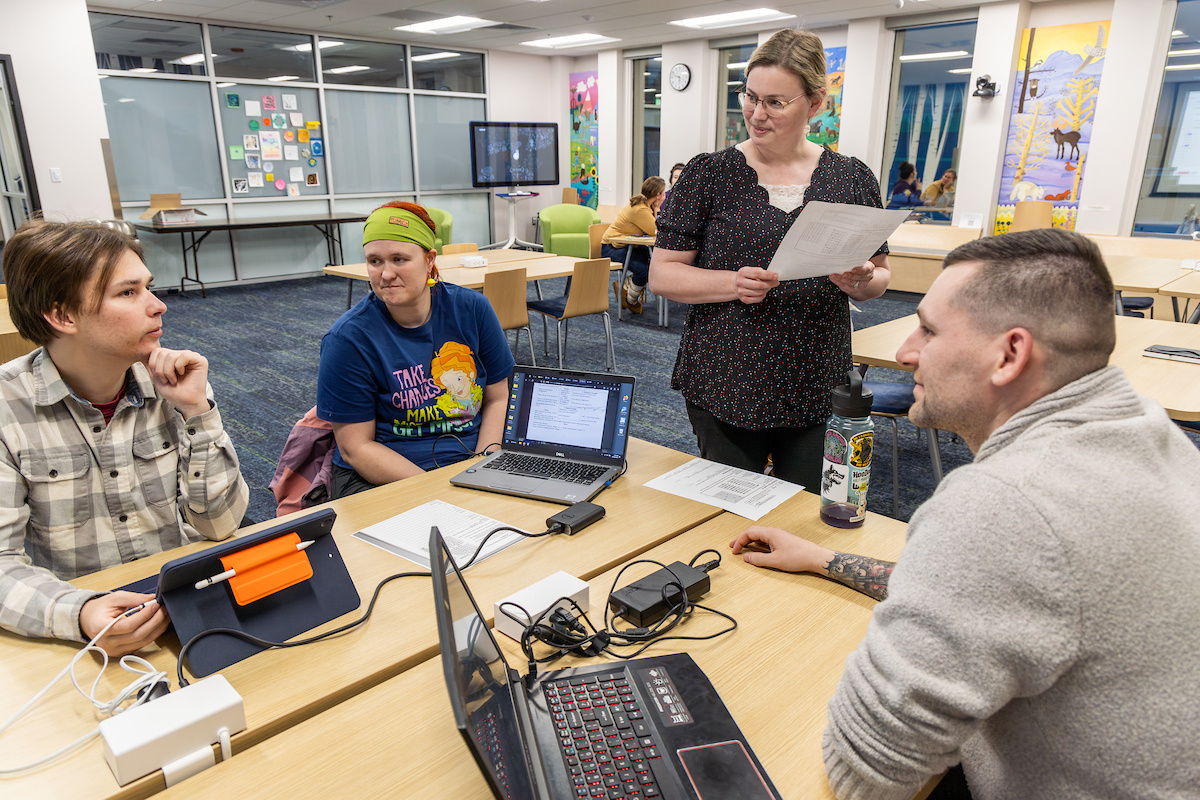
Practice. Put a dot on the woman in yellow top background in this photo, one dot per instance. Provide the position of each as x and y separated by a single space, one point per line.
635 219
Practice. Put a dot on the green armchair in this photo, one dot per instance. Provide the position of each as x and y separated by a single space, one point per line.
445 226
565 230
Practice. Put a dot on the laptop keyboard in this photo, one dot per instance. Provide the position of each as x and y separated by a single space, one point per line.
571 471
604 738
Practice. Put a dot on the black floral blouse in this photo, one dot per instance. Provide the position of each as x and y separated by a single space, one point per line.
770 364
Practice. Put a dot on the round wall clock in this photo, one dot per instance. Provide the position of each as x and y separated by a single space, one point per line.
680 77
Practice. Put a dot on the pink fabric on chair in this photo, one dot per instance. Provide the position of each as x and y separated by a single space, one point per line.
303 476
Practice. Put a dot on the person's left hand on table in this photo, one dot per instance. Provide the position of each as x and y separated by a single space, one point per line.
854 280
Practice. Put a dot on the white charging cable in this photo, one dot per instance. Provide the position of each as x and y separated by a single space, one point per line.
147 676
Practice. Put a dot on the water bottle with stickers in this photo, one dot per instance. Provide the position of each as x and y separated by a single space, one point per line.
846 468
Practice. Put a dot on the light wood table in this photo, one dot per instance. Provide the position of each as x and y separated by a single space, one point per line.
12 344
1147 274
541 268
1188 286
282 688
917 250
1174 385
776 673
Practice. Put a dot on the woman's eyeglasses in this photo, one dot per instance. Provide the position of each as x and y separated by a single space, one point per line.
772 105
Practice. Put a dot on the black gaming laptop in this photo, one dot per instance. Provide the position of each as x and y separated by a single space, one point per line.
639 729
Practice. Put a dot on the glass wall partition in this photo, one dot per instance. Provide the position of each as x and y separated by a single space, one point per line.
270 124
731 75
647 108
1170 190
930 73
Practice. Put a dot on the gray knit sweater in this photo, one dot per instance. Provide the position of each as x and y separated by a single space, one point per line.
1043 622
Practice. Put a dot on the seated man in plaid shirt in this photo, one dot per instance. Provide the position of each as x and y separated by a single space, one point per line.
111 448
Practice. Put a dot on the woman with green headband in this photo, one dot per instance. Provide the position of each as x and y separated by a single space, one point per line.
415 375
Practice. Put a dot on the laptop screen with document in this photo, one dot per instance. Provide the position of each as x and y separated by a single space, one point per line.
572 415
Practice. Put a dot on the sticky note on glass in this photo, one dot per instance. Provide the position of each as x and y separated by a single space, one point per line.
291 152
302 136
296 174
236 152
253 108
297 119
312 125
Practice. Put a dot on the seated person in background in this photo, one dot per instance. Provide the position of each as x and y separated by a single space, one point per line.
111 448
940 193
637 218
415 376
676 171
1039 626
906 191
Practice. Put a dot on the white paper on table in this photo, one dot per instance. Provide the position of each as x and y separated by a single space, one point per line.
833 237
739 491
407 534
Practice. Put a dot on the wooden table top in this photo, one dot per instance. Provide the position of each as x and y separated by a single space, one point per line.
923 239
1175 385
794 631
12 343
541 268
401 634
646 240
1143 273
1187 286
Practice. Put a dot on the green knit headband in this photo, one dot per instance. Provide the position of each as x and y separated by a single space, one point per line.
398 225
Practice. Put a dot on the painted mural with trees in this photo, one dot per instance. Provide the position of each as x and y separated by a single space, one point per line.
1055 91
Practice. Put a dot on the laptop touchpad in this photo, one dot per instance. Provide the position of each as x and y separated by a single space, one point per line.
724 771
517 483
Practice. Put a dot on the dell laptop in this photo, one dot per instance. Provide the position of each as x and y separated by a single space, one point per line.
565 436
640 729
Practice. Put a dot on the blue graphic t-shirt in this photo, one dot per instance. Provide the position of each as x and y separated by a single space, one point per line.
415 383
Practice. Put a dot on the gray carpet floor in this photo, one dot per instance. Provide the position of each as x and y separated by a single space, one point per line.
263 345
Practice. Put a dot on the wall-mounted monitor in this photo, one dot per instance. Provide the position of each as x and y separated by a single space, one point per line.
514 154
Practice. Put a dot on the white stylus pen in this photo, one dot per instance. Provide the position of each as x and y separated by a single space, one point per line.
229 573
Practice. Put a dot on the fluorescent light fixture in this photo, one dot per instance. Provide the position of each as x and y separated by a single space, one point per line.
344 70
125 100
738 64
936 56
307 46
279 78
649 90
736 18
447 25
101 77
194 58
647 74
435 56
143 69
1189 52
575 40
963 71
657 58
225 85
1178 33
1183 66
733 83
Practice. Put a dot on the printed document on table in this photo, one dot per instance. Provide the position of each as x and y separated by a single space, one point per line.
833 237
738 491
407 534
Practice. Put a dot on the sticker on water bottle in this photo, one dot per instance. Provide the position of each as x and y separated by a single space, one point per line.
834 470
861 445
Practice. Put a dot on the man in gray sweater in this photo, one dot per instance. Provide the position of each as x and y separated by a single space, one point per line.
1040 626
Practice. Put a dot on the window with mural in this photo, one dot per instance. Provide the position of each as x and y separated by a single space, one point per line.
1170 191
930 76
647 106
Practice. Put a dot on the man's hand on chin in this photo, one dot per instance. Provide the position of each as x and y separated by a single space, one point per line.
181 378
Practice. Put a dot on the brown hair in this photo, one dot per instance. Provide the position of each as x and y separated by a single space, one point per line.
652 187
799 52
50 265
422 215
1052 283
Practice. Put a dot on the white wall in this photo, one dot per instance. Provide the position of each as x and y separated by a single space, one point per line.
689 118
864 93
50 42
616 153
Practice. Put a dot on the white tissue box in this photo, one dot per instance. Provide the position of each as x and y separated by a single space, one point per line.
472 261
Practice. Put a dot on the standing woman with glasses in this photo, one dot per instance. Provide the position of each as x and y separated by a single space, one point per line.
758 357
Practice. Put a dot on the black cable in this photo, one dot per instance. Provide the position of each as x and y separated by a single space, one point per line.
467 450
296 643
555 529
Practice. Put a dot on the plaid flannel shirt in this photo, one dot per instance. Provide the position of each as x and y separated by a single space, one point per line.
77 496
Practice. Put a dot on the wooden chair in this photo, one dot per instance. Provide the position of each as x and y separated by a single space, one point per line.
608 213
570 196
1029 215
595 233
588 295
466 247
3 291
505 290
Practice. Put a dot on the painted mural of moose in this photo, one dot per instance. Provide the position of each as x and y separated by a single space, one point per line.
1064 138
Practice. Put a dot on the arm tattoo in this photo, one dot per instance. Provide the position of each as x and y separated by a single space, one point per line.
867 575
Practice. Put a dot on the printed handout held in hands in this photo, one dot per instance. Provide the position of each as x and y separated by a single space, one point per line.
833 237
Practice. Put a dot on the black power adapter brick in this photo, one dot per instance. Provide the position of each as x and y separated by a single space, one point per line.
644 602
574 519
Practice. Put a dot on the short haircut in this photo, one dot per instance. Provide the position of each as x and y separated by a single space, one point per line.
799 52
1049 281
49 265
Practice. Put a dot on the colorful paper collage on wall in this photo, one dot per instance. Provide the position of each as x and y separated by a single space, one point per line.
584 102
826 125
1050 123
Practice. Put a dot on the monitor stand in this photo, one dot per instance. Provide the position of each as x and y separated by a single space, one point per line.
512 198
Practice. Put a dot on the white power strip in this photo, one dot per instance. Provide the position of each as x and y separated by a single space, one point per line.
537 598
174 733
